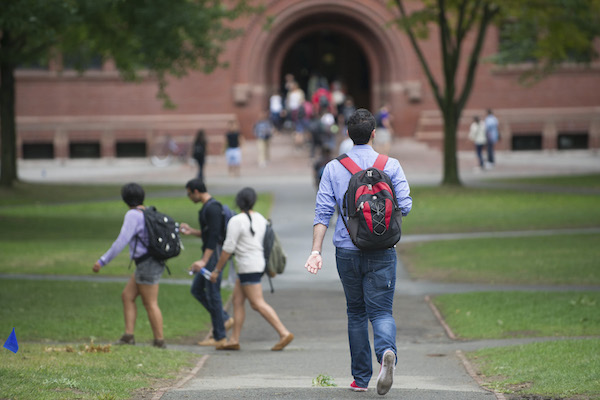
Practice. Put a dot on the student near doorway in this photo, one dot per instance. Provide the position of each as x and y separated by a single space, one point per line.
362 272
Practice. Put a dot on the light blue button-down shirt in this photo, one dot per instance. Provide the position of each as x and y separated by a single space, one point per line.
334 184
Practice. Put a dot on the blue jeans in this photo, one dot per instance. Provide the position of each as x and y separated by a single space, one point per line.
479 151
490 151
209 295
369 281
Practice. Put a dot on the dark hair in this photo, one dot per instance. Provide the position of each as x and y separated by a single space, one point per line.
201 137
196 184
245 200
133 194
360 126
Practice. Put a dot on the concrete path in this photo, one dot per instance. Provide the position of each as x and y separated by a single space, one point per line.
313 307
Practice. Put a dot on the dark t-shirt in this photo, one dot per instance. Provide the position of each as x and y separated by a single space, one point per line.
211 224
233 139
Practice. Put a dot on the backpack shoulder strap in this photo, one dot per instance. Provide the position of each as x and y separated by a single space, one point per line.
380 162
349 164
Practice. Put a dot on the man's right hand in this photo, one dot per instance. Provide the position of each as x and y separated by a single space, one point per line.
314 263
96 267
185 229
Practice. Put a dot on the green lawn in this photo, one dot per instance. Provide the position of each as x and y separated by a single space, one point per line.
497 315
57 372
550 260
591 181
40 193
76 311
565 369
444 209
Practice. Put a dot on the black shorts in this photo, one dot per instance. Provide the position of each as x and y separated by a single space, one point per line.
250 279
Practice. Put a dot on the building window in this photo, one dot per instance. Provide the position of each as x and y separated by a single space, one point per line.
82 62
84 150
573 141
38 151
131 149
40 65
527 141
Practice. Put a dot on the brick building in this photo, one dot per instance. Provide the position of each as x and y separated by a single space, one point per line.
98 115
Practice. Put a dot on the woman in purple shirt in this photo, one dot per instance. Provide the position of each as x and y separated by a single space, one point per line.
144 282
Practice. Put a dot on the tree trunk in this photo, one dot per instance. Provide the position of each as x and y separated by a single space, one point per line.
451 116
8 155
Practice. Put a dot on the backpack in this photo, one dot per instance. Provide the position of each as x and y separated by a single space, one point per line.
163 234
370 209
227 214
275 257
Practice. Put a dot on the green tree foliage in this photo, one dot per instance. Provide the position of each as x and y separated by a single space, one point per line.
544 32
164 37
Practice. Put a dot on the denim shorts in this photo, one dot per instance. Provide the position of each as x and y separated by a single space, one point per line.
233 156
251 278
148 271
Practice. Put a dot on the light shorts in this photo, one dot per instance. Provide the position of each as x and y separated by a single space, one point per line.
148 271
233 155
382 136
250 279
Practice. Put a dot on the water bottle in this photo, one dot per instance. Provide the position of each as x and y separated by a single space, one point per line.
206 273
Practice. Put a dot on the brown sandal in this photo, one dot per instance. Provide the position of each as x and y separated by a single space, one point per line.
287 339
229 346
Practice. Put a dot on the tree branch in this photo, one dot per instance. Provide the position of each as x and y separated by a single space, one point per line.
417 48
449 53
488 14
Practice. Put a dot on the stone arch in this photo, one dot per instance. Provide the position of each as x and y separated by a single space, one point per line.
261 52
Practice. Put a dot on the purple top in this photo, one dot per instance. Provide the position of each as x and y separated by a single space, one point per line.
133 224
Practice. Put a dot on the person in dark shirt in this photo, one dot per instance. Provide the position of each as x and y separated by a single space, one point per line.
211 231
200 152
233 149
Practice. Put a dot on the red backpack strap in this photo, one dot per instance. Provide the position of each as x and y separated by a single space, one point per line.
349 164
380 162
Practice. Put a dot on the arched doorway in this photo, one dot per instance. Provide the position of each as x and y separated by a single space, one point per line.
328 56
371 60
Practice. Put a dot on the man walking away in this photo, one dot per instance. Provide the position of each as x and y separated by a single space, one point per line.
491 131
368 277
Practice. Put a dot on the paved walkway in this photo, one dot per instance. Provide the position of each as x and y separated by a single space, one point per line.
430 364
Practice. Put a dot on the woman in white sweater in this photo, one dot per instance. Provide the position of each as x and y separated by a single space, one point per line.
245 234
477 136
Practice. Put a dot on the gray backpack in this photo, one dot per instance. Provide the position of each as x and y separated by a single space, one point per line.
275 257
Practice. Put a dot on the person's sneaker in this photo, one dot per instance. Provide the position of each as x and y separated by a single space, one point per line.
354 387
386 373
160 343
126 339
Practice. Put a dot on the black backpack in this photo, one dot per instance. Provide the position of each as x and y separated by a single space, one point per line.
163 234
227 214
370 209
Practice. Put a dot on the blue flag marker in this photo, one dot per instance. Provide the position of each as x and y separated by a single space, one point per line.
11 343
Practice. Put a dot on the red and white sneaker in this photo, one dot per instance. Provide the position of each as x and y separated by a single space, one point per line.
356 388
386 373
